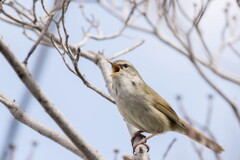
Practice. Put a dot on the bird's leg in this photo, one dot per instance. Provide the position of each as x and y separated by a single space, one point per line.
144 140
137 134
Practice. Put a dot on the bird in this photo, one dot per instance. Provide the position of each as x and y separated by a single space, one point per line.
146 110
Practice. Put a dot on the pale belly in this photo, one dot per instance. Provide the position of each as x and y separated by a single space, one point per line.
147 119
133 105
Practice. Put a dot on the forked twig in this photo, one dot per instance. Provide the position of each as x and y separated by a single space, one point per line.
75 63
44 30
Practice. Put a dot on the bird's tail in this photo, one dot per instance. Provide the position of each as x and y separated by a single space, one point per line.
202 139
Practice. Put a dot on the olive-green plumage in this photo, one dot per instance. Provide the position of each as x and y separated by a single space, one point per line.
143 108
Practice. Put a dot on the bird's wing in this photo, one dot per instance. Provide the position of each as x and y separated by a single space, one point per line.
163 106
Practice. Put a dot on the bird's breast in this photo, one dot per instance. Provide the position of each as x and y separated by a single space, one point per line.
136 108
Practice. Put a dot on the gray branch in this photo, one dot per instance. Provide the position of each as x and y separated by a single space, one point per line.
23 117
26 77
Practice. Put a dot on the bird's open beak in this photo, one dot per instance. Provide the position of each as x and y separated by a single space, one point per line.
115 68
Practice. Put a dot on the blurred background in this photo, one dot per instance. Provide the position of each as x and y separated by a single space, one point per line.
166 70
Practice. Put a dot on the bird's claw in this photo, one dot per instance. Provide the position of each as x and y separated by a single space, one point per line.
142 141
137 134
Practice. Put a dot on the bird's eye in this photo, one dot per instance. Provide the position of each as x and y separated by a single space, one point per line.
125 65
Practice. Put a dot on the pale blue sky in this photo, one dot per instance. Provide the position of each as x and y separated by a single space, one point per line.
96 119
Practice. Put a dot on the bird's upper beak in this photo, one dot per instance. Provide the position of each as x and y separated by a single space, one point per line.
115 68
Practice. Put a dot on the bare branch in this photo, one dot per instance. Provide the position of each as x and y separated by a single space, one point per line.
44 30
163 39
29 121
21 23
20 12
213 85
88 84
63 57
51 109
44 8
34 11
126 50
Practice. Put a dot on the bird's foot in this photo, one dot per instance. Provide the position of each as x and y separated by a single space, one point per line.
137 134
143 142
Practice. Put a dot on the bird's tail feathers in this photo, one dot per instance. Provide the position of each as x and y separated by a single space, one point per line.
202 139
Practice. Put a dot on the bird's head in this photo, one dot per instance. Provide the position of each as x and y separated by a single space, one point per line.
123 68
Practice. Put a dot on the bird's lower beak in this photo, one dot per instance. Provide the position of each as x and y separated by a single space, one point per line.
115 68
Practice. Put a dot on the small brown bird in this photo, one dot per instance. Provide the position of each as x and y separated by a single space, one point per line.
143 108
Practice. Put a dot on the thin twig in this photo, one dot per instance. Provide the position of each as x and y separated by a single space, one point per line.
44 30
213 85
20 12
44 8
19 21
163 39
126 50
12 151
75 63
63 56
169 148
34 11
32 150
